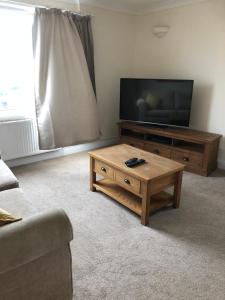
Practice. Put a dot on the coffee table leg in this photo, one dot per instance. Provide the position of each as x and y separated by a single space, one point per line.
145 205
92 175
177 190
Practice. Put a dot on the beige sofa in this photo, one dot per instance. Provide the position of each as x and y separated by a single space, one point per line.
35 257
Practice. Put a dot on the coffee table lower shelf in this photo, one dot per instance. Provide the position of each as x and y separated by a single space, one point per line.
130 200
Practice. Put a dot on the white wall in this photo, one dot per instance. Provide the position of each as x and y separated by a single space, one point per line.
194 48
113 39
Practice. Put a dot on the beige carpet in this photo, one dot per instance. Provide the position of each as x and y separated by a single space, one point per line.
180 256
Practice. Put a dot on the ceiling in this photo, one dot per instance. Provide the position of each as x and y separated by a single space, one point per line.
138 6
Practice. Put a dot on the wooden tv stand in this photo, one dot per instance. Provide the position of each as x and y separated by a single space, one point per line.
197 150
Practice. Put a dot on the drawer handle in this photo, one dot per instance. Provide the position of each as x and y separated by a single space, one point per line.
127 181
103 169
156 151
185 159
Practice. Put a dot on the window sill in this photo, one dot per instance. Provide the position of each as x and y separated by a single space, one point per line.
11 116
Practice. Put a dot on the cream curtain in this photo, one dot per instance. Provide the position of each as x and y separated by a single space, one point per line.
66 107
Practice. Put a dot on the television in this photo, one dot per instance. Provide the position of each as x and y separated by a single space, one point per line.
162 102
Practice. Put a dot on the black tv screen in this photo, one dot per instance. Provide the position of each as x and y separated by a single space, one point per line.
156 101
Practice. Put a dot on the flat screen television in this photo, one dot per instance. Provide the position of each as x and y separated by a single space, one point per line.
156 101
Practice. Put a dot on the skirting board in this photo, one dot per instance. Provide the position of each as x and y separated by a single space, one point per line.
61 152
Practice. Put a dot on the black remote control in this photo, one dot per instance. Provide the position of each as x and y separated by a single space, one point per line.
131 160
136 163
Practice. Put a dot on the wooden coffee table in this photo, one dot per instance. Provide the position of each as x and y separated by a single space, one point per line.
141 189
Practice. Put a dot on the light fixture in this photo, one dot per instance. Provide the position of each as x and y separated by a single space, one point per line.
160 31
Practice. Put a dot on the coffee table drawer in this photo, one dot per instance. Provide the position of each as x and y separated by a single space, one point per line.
103 169
128 182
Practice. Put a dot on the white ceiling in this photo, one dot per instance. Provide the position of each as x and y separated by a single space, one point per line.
138 6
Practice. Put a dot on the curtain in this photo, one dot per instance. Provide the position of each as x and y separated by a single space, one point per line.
66 106
84 28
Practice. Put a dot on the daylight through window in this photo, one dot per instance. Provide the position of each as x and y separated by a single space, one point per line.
16 65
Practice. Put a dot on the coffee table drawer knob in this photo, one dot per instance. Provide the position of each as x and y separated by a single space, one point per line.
103 169
127 181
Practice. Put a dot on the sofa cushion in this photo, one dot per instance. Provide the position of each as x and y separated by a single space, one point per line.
7 178
152 101
6 217
15 201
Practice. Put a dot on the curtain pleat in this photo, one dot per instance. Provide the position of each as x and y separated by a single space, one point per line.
84 28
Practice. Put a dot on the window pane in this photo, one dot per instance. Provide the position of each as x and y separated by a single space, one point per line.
16 63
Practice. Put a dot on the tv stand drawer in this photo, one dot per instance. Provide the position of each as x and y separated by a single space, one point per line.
158 150
132 142
188 158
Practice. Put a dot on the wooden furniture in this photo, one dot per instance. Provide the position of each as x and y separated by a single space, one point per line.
195 149
141 189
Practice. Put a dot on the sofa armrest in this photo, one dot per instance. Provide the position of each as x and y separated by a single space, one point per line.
33 237
7 179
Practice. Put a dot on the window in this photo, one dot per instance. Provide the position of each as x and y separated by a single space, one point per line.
16 64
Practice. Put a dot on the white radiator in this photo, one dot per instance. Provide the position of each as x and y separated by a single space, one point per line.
18 139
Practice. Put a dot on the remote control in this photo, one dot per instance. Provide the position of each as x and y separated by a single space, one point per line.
136 163
131 160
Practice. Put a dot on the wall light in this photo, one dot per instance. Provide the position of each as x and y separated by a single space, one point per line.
160 31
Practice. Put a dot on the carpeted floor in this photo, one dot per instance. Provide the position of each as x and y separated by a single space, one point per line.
180 256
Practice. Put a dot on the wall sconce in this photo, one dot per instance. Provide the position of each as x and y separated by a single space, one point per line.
160 31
